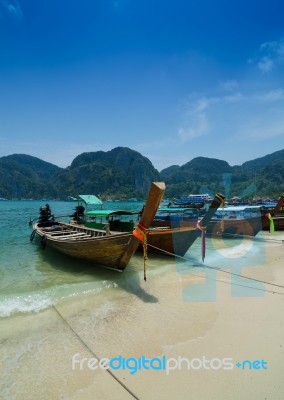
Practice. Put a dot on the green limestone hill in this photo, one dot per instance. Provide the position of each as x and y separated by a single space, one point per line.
197 173
263 176
199 165
23 176
277 156
118 173
123 173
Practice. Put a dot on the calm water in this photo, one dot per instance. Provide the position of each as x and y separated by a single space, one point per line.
32 279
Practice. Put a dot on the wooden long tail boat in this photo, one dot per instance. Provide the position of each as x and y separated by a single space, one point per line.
236 221
109 249
227 222
177 241
277 216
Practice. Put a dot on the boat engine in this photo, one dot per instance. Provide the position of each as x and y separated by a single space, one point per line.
45 214
78 215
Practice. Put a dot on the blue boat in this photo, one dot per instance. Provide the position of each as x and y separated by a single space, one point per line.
192 200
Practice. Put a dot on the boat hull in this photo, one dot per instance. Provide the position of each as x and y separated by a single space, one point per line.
109 249
102 250
178 238
278 223
169 241
237 227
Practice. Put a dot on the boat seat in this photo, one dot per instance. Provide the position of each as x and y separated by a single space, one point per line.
59 233
75 235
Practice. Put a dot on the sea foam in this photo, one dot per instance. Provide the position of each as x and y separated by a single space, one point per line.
41 300
24 304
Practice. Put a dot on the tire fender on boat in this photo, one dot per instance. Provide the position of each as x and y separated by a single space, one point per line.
32 235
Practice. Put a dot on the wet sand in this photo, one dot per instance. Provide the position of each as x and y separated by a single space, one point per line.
160 318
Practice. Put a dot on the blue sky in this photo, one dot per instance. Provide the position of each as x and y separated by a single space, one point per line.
171 79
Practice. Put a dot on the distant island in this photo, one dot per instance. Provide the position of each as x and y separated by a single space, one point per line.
123 173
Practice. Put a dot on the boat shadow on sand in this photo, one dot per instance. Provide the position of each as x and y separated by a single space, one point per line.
74 271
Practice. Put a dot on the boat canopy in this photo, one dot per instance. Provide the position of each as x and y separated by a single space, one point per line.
90 199
106 213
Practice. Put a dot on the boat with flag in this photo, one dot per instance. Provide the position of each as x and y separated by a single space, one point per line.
273 215
233 221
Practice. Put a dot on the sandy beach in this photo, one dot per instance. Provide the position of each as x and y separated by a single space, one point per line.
164 323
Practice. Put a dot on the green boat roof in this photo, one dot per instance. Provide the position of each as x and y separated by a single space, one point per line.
90 199
105 213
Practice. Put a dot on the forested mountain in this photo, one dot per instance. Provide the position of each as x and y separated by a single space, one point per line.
124 173
119 173
23 176
263 176
261 162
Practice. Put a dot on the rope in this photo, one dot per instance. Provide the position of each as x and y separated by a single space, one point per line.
227 272
94 354
203 238
87 347
141 232
258 239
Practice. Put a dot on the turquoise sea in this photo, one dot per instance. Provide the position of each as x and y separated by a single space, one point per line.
32 279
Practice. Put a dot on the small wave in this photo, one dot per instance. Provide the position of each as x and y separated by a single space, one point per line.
24 304
41 300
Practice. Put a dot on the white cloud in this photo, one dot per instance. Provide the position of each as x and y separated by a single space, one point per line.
249 115
229 86
261 117
196 127
273 47
280 50
13 8
195 121
265 64
271 96
262 127
203 103
270 55
233 98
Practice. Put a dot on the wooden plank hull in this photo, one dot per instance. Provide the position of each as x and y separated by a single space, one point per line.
105 250
234 227
178 240
169 241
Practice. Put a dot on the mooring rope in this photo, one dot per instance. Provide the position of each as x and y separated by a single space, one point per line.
201 265
76 334
141 232
254 238
94 354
